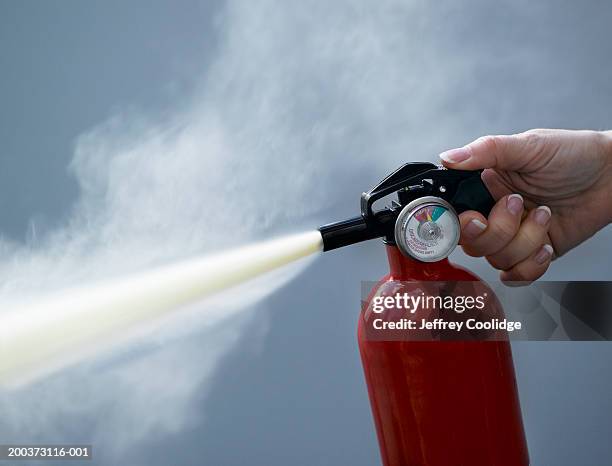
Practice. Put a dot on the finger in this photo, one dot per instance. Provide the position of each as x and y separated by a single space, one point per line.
503 224
530 269
472 225
504 152
530 237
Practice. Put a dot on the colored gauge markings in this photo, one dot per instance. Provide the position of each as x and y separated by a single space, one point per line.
424 214
437 213
429 214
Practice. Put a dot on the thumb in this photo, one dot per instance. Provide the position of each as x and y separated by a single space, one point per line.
504 152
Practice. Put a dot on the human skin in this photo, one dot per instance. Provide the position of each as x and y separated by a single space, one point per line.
553 190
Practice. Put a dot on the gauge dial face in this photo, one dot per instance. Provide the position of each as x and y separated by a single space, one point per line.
427 229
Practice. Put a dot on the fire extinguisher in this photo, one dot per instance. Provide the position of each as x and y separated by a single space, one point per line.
435 401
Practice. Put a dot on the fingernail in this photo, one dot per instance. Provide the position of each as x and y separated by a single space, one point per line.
474 228
542 215
544 254
455 155
514 203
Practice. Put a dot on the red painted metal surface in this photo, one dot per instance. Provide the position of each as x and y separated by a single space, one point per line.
442 403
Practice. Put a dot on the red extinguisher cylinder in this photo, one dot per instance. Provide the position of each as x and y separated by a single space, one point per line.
441 403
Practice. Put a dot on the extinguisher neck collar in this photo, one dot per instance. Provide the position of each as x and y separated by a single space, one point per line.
407 268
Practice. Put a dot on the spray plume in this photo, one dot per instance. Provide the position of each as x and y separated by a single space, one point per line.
52 332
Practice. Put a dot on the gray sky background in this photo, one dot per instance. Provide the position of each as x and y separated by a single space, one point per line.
315 101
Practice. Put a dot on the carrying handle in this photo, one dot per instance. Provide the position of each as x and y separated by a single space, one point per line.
397 180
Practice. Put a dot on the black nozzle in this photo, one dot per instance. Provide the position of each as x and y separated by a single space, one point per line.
356 230
351 231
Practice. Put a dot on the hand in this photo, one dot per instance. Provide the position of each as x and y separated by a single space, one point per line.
553 190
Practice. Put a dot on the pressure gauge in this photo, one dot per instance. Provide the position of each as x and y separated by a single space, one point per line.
427 229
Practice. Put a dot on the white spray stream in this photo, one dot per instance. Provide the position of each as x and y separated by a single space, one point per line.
55 331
